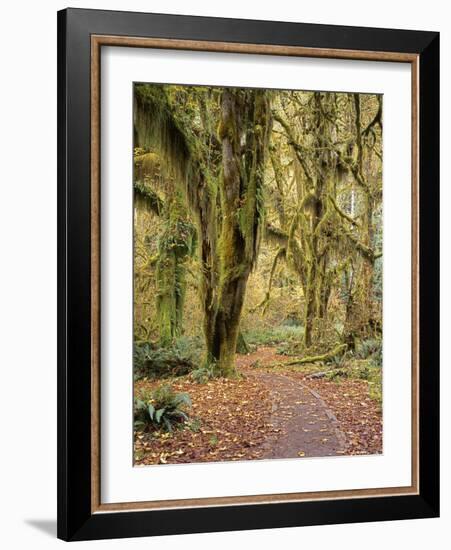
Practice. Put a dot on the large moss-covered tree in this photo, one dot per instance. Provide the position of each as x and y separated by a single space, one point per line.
243 132
328 165
176 242
214 143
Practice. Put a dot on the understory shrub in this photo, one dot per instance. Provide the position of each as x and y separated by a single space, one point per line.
206 372
291 320
153 361
369 348
362 369
282 334
162 409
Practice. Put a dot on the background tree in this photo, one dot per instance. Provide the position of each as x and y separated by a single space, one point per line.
329 156
176 242
301 169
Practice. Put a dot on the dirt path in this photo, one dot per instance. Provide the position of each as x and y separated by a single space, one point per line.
270 412
303 425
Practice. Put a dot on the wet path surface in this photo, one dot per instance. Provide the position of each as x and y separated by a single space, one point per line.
303 425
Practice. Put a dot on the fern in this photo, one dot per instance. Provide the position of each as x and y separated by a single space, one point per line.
179 359
164 409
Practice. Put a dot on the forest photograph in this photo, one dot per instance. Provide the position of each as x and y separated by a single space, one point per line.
258 236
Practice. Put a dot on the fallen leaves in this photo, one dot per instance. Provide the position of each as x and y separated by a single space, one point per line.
228 421
232 419
359 417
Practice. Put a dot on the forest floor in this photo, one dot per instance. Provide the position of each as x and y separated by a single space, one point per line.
273 410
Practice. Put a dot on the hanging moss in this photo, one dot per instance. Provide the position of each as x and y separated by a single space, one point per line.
175 246
146 198
146 165
243 134
156 126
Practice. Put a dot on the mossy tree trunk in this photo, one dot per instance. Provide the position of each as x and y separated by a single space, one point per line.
243 132
223 180
175 246
359 314
318 207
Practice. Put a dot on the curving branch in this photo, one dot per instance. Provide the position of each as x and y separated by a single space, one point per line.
299 151
147 198
276 235
365 251
280 254
377 119
345 216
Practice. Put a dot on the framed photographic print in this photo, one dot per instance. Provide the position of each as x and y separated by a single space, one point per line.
248 274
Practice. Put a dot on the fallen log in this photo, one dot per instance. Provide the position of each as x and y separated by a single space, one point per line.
330 372
317 375
338 350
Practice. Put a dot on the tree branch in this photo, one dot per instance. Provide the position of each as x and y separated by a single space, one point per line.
148 198
343 214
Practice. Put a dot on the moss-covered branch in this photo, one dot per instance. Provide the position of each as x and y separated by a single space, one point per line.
376 120
276 235
156 126
365 251
345 216
280 254
298 149
148 198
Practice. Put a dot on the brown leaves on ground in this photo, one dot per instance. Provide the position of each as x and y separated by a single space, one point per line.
359 416
228 421
231 419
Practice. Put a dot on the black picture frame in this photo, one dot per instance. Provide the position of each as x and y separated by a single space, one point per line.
75 518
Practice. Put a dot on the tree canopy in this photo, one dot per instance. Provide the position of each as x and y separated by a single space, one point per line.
254 207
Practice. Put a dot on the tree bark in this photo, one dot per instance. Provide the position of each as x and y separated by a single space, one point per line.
243 132
175 246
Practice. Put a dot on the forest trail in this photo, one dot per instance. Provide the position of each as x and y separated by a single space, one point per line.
272 411
207 271
302 424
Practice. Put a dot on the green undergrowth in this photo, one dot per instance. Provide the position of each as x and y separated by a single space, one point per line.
151 360
356 369
162 409
359 369
205 373
268 336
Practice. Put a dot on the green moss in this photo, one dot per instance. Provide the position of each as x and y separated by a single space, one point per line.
175 246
